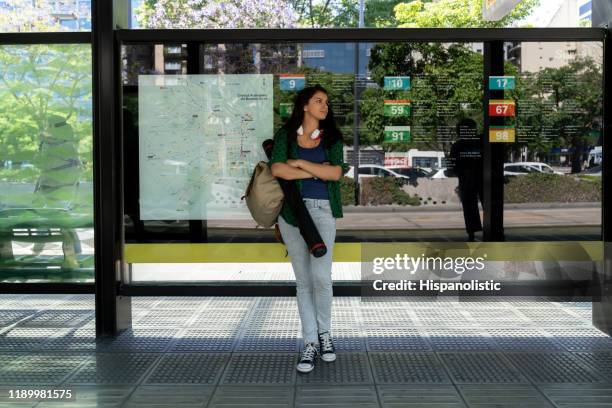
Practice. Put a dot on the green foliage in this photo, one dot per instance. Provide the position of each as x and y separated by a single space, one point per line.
347 190
385 190
432 67
45 98
546 188
455 13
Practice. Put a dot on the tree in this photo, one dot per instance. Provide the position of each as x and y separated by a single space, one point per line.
455 13
48 118
430 66
28 16
216 14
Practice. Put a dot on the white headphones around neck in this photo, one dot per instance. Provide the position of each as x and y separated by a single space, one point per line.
314 135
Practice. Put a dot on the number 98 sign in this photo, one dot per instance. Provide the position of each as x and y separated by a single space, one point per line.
501 135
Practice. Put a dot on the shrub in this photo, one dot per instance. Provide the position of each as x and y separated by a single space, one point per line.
385 190
545 188
347 190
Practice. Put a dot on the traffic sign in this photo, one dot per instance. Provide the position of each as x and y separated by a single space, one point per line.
397 83
501 134
291 82
500 83
397 108
285 109
397 134
501 107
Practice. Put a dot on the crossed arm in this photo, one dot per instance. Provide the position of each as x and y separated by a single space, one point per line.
302 169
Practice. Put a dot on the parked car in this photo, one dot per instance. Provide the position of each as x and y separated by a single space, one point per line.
522 168
439 173
593 171
412 173
374 170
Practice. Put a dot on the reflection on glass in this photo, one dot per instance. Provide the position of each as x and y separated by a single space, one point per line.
554 165
45 15
46 206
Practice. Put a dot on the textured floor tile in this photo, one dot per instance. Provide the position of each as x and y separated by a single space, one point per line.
179 396
252 397
523 339
480 368
348 339
114 368
349 368
418 396
40 368
28 338
503 396
552 368
76 339
395 339
444 317
206 340
59 318
106 396
274 340
600 362
583 339
188 368
139 340
8 317
458 339
336 396
165 318
261 369
407 368
579 395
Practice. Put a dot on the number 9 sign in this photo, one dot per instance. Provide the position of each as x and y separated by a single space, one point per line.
291 82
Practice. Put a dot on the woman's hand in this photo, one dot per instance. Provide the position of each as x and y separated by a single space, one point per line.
294 163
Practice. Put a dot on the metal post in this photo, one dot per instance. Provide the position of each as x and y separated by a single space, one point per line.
356 125
112 312
493 160
198 229
602 301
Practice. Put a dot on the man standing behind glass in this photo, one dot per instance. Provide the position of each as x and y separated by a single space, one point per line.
466 160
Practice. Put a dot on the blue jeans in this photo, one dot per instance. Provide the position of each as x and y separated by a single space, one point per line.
312 275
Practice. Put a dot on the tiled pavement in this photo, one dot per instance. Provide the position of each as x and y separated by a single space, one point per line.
241 352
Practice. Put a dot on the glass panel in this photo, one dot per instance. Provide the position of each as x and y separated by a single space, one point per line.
558 120
46 205
45 15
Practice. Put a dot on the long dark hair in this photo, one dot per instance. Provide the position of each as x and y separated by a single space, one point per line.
331 133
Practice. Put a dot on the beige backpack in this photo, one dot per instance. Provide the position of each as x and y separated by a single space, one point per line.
264 196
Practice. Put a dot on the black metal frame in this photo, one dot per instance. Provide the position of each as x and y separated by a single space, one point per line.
108 189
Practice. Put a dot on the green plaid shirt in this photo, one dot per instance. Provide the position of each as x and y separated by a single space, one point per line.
335 156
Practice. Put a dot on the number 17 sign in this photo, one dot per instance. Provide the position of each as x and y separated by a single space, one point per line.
500 83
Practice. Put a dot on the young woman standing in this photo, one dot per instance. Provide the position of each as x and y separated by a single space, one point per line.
308 149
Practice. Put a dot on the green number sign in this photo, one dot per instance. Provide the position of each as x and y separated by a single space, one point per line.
397 108
397 134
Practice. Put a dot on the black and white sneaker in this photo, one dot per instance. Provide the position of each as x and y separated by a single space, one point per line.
326 345
308 358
